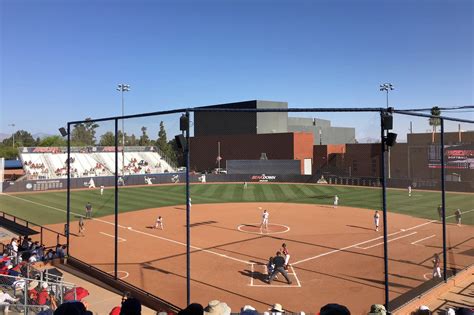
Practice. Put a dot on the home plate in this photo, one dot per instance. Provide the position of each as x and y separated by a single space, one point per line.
403 230
129 228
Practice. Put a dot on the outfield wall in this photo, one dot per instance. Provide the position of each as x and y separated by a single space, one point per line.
170 178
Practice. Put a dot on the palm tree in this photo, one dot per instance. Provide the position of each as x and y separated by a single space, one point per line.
435 121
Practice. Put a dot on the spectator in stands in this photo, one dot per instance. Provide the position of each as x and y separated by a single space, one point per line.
131 306
377 309
334 309
49 255
116 310
5 300
216 307
14 244
276 308
72 308
43 295
192 309
248 310
61 251
33 258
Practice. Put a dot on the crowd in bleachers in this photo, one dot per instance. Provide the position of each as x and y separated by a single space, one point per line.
22 284
137 167
47 165
36 170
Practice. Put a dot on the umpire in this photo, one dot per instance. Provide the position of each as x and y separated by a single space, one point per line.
279 263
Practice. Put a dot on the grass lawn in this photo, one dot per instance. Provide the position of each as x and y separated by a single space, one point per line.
49 207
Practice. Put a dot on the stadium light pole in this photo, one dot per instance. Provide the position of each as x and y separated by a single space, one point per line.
387 87
123 88
13 134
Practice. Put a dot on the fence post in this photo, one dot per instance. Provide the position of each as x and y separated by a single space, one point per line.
443 201
25 298
116 196
384 208
188 217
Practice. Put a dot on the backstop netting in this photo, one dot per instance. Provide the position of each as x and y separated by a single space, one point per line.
197 210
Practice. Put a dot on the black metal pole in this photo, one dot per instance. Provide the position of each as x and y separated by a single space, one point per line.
116 199
68 185
443 201
384 208
188 218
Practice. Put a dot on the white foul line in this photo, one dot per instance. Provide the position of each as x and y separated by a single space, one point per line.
388 241
296 277
251 275
120 239
423 239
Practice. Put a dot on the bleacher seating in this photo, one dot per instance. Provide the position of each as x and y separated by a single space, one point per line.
49 163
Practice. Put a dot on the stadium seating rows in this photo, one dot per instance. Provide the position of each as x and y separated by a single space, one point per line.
47 165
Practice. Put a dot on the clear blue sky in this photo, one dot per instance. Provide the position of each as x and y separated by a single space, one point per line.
61 60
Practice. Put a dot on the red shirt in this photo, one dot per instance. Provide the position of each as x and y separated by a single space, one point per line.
43 297
115 311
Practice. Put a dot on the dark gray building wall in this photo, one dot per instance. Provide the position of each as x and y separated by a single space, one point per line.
272 122
233 123
322 130
226 123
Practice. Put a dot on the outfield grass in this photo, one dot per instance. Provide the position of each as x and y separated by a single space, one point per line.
45 208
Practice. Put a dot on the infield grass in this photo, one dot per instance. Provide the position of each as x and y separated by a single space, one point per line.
49 207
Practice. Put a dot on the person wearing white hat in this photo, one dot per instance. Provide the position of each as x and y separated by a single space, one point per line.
277 308
216 307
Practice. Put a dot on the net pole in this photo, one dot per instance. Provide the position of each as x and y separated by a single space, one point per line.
384 207
443 199
116 202
68 184
188 217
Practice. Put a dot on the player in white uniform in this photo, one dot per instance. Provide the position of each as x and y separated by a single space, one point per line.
101 190
409 191
376 220
264 223
159 223
91 183
245 185
436 266
336 201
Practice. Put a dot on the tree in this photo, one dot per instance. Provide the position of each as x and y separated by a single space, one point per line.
131 140
22 139
107 139
435 121
52 141
7 152
163 145
83 134
144 139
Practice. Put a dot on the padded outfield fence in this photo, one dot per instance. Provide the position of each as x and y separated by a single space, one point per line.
211 246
